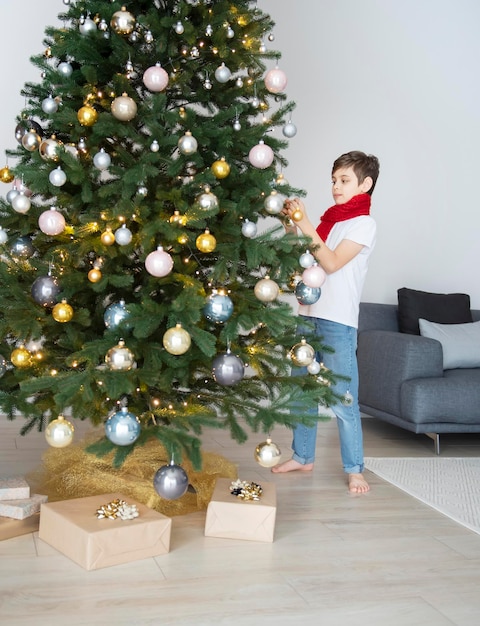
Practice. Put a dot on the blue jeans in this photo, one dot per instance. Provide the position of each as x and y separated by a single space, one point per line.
343 339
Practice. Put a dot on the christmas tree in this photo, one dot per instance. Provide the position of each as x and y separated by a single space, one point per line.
144 257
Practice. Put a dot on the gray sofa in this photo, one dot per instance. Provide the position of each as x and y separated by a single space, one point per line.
402 380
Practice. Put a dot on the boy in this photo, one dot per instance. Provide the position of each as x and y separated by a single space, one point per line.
344 240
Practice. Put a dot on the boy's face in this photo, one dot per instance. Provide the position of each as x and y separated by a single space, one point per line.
345 185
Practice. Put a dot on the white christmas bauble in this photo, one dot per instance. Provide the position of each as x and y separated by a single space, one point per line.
154 146
208 200
123 236
57 177
49 105
307 259
266 290
3 236
261 155
155 78
21 203
314 367
159 263
51 222
314 276
12 194
65 69
249 229
102 160
187 144
124 108
179 28
223 74
275 80
274 203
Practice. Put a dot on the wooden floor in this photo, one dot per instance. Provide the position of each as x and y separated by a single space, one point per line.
383 558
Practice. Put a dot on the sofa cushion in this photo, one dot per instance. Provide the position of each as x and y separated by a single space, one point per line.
451 308
460 342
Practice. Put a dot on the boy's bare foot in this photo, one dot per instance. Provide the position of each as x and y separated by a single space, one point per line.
292 466
357 484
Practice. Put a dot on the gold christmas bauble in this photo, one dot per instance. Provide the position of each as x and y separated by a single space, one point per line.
302 354
267 453
206 242
176 340
21 357
177 218
120 358
87 115
122 22
108 237
6 175
59 433
297 215
94 275
220 168
62 312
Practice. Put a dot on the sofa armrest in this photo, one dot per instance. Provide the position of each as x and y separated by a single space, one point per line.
386 359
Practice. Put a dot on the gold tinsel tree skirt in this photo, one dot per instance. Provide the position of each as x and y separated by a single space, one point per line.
72 472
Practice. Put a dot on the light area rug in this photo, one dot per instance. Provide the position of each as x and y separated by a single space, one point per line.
449 485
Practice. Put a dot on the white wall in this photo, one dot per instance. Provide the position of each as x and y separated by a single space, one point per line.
399 79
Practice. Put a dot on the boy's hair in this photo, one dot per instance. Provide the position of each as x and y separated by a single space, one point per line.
363 165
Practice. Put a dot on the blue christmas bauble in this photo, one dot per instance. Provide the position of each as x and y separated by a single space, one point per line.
307 295
218 308
123 427
227 369
170 481
116 314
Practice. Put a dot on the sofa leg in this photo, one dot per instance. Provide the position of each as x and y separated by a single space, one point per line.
436 441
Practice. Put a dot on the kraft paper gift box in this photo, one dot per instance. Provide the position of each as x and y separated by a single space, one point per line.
72 527
230 517
21 509
10 528
14 488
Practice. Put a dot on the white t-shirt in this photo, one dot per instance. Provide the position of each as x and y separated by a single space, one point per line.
341 291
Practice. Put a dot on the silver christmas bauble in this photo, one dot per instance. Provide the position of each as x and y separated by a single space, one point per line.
187 144
223 74
116 314
314 368
307 259
302 354
45 290
11 194
3 365
31 140
22 248
208 200
274 203
48 149
228 369
122 22
120 358
267 453
3 236
170 481
87 26
49 105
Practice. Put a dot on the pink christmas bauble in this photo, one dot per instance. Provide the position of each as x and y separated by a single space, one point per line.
275 80
155 78
159 263
20 186
261 156
51 222
314 276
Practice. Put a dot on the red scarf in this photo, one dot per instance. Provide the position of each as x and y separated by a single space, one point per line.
358 205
